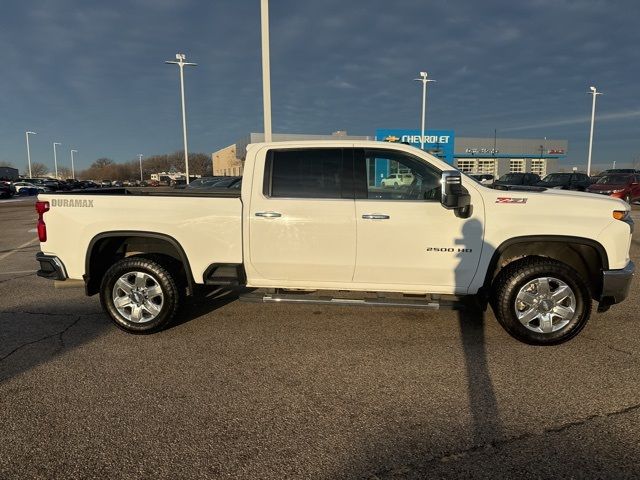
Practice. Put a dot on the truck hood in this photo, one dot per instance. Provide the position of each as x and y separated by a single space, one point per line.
554 197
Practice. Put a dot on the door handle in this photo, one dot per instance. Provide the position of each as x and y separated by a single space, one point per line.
268 214
375 216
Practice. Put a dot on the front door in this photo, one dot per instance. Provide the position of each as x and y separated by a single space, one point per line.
302 225
405 236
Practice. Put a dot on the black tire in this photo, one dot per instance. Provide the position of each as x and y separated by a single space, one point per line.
516 275
160 275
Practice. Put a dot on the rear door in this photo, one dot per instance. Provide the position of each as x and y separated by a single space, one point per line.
406 238
302 217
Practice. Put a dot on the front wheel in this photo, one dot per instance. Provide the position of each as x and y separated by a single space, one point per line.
140 295
541 301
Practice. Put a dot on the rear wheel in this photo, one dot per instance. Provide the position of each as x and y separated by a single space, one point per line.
140 295
541 301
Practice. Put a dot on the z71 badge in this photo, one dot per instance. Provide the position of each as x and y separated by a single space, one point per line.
511 200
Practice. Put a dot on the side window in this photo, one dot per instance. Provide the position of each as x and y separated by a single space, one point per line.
392 175
306 173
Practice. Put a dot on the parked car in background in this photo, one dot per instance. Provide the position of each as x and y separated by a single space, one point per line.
214 182
26 188
566 181
5 190
610 171
483 178
625 186
105 183
515 179
397 179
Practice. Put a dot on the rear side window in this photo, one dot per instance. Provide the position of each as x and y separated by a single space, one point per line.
306 173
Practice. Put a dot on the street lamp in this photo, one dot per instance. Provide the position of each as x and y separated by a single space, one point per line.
55 158
140 159
593 91
423 78
28 151
180 57
266 69
73 170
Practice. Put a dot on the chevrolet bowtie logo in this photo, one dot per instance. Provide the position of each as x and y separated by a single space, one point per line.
391 138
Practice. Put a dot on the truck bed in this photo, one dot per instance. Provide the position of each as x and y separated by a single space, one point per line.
156 192
207 225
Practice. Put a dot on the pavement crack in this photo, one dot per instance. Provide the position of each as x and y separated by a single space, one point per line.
26 312
499 443
610 347
59 334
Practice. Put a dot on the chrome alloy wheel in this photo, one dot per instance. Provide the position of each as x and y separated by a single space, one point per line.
138 297
545 305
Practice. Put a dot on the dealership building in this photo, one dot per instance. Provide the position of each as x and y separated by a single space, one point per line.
489 155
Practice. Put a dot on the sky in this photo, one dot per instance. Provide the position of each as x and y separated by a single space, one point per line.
91 74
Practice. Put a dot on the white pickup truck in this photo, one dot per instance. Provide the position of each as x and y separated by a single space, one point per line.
311 223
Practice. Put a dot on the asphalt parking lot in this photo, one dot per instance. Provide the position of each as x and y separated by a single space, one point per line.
241 390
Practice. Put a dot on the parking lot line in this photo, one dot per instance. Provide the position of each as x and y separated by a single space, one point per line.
2 257
15 272
13 200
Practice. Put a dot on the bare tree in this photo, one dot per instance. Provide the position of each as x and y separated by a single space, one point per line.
4 163
102 162
64 172
39 169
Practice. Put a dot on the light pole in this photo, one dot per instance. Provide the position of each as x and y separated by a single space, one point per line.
423 78
140 159
73 170
55 158
180 57
593 91
266 69
28 150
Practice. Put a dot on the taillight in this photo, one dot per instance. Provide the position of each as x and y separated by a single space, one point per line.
42 208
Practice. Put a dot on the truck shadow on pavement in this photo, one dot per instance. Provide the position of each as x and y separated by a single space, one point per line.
203 304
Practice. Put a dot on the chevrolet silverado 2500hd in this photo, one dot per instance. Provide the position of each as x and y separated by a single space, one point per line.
314 222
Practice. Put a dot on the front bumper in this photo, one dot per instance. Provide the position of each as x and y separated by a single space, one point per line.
51 267
616 284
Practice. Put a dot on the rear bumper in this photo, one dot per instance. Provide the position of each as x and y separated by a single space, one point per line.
616 284
51 267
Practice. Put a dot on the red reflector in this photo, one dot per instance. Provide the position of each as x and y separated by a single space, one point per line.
42 207
42 230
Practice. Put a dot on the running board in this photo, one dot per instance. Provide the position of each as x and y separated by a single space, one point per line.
368 302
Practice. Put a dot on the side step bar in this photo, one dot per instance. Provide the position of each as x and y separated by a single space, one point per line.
368 302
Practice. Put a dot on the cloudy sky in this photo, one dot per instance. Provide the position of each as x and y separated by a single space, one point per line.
91 74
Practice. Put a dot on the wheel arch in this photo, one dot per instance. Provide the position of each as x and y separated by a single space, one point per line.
585 255
107 246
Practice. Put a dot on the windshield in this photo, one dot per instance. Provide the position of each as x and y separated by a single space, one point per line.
614 180
556 177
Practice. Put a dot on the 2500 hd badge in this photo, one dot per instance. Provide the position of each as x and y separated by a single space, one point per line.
449 249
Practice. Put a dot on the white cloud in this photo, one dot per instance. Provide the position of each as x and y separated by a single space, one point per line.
577 120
